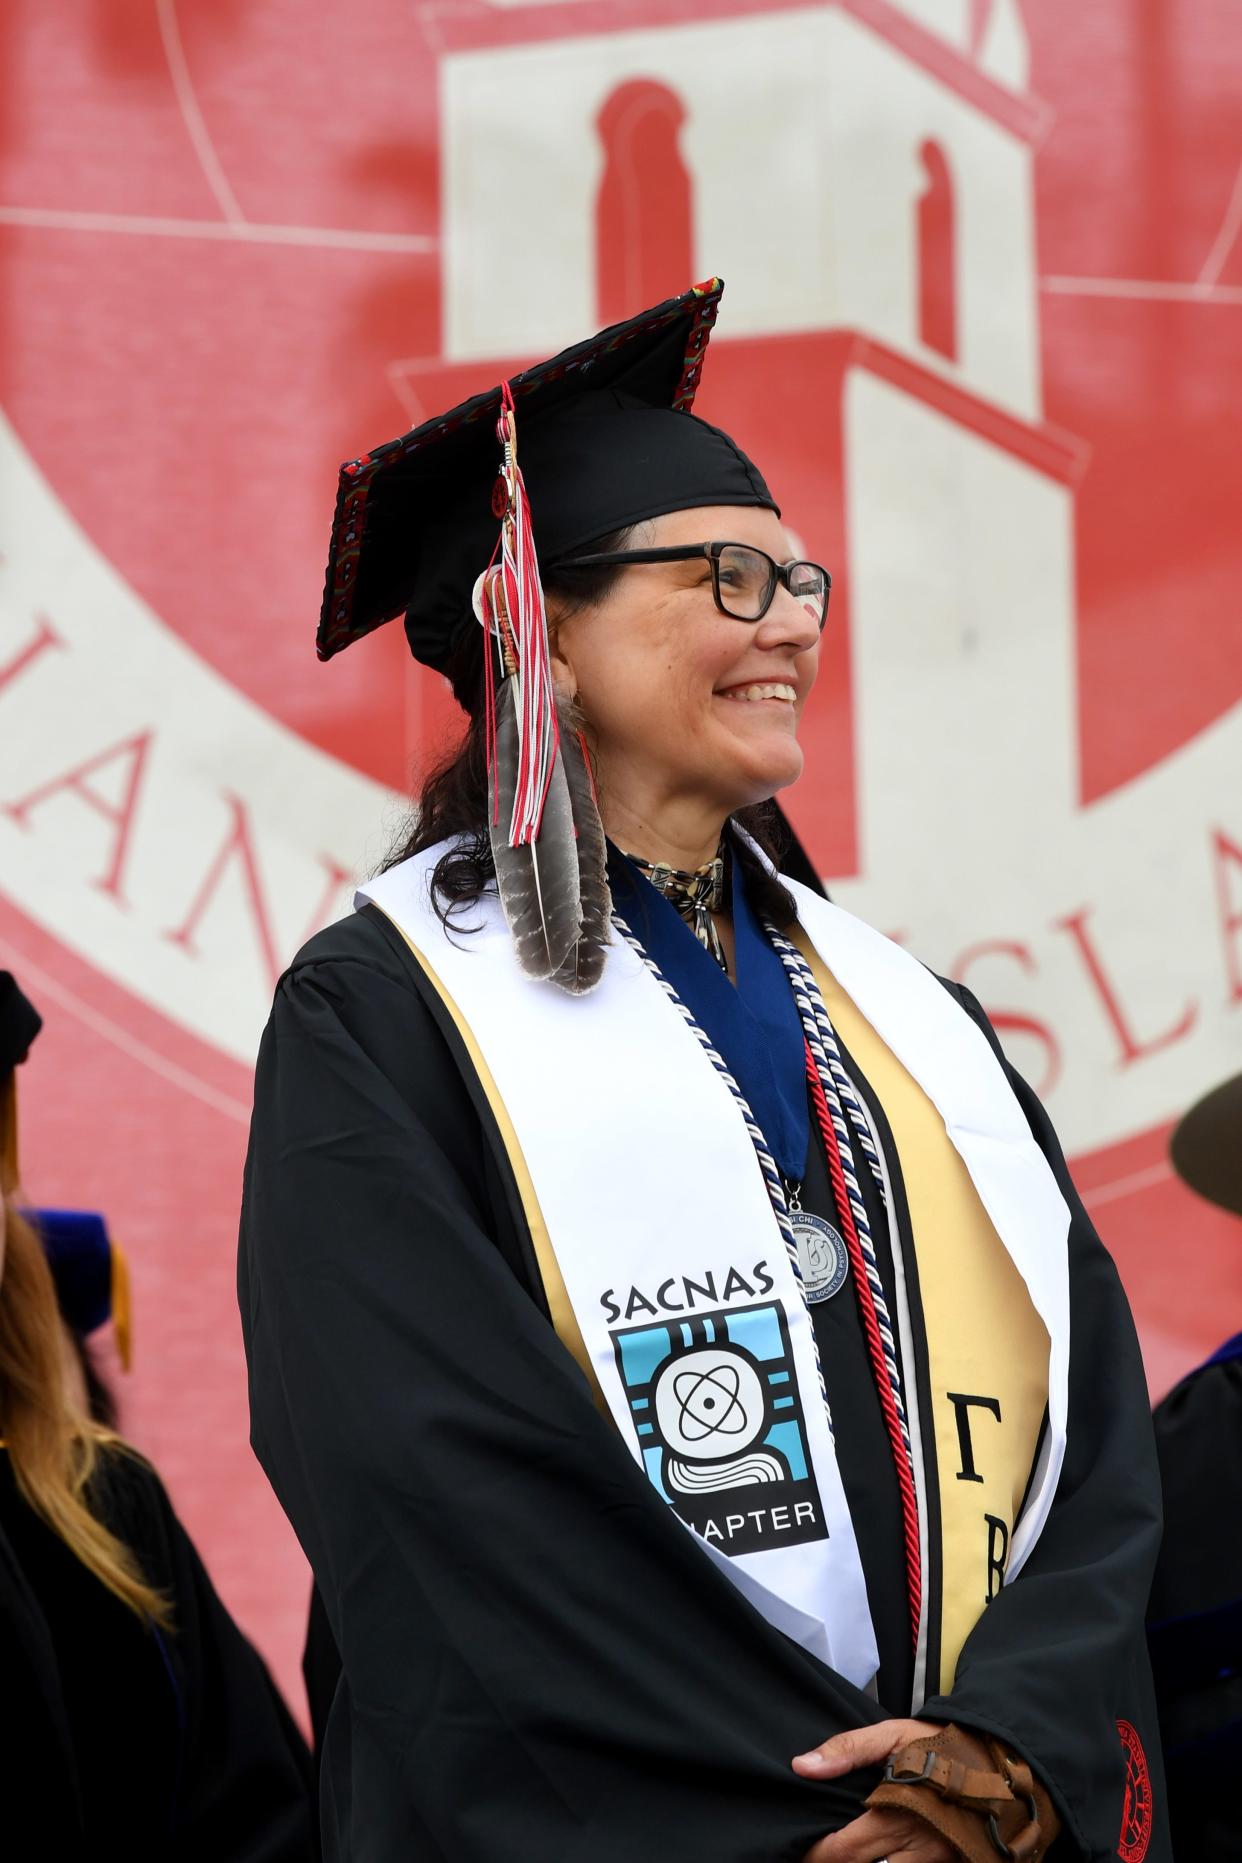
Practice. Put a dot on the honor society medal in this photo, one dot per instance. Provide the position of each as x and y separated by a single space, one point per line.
821 1256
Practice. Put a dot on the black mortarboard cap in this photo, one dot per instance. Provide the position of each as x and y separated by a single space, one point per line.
605 438
20 1022
1206 1146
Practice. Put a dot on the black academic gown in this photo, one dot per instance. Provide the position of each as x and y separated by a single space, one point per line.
1196 1606
119 1742
539 1662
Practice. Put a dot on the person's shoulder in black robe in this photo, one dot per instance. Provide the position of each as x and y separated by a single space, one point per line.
124 1741
538 1660
1195 1614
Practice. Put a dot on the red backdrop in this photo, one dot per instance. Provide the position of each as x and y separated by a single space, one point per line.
985 282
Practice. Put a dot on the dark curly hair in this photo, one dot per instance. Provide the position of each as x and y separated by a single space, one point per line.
452 805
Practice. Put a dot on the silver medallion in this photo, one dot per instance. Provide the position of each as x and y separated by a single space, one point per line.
822 1256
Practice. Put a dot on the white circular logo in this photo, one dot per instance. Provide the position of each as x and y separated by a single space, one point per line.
822 1256
709 1404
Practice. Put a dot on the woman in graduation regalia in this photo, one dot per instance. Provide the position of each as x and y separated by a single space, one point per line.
715 1428
136 1721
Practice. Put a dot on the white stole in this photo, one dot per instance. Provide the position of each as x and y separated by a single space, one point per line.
672 1259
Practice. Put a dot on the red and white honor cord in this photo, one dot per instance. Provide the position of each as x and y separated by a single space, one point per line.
868 1288
832 1092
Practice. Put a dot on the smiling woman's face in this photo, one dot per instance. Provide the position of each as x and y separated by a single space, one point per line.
683 702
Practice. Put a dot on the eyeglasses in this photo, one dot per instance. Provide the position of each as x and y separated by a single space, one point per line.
744 580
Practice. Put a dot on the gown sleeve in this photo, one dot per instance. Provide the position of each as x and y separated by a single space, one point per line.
1195 1612
36 1738
536 1658
242 1790
1059 1657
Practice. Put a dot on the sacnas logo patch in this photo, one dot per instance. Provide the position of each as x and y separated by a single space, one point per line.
719 1421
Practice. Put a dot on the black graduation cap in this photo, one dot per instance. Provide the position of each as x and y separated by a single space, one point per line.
606 438
1206 1147
20 1022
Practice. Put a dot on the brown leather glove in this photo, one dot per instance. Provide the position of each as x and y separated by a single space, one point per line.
980 1797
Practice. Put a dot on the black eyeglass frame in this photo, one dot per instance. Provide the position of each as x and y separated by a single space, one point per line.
780 573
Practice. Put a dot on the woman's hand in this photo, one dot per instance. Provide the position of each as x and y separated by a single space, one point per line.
876 1834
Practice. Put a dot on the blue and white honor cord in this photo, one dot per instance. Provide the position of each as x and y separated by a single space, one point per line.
849 1123
767 1164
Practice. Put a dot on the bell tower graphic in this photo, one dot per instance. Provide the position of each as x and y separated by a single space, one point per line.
861 176
861 173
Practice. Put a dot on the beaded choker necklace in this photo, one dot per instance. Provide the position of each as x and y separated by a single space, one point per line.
694 896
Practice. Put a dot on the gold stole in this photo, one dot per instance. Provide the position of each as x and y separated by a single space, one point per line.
987 1348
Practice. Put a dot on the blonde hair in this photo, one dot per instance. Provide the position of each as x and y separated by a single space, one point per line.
53 1449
